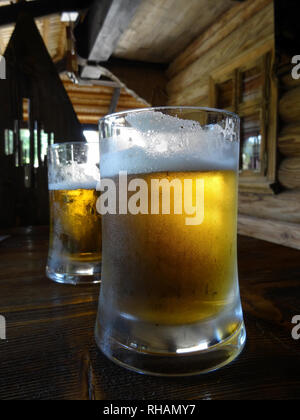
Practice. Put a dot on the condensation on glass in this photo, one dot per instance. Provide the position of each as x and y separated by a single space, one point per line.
75 225
169 301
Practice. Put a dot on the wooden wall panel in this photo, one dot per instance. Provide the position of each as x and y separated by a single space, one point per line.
224 26
252 35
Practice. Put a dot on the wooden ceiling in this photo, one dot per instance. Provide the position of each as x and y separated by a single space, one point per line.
157 33
160 30
53 32
92 102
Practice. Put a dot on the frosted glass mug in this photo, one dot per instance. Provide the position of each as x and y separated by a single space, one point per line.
169 301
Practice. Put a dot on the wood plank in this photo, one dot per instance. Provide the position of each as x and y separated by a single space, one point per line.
161 30
105 23
283 207
278 232
114 101
238 42
201 86
51 353
224 26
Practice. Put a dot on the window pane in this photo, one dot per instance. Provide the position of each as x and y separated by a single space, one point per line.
9 142
250 143
25 146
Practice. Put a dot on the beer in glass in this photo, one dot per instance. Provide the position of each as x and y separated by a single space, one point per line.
170 302
75 225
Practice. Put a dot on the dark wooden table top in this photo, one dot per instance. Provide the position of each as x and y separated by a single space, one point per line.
50 351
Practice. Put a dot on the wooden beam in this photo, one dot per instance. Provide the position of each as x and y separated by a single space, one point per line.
114 100
61 48
103 26
45 30
282 233
39 8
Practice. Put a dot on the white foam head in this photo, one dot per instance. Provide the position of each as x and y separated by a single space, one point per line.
73 185
155 142
73 176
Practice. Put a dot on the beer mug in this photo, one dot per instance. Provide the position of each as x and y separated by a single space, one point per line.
169 301
75 225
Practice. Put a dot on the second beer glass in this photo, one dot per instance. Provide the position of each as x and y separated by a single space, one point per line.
75 226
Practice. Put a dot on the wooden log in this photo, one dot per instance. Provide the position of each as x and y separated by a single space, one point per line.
239 42
79 109
288 82
289 173
289 140
190 95
223 27
289 106
284 207
283 233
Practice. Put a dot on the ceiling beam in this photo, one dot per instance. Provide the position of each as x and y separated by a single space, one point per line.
39 8
114 101
98 35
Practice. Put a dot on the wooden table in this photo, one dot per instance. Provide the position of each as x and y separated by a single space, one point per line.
50 351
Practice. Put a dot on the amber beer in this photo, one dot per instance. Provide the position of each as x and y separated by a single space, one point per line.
175 273
75 228
169 301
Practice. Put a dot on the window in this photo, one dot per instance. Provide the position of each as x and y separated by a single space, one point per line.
250 91
22 146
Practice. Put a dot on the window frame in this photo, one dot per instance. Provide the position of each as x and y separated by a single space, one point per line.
266 106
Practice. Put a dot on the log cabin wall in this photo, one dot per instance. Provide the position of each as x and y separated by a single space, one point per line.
246 32
289 134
